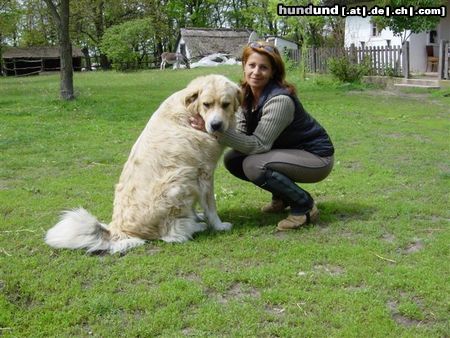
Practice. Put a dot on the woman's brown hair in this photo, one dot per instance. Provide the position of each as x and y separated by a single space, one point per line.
272 53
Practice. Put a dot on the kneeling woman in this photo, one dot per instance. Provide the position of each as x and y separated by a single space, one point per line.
276 142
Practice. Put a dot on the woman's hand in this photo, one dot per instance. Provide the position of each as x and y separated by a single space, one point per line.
197 122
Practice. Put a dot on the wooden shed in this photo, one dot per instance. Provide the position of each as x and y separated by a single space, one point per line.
35 60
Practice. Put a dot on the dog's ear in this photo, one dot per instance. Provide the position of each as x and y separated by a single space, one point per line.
239 97
190 98
191 101
192 93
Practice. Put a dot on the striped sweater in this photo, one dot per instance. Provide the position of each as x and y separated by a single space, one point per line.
277 114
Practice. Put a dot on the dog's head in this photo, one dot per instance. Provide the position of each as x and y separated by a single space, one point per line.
216 99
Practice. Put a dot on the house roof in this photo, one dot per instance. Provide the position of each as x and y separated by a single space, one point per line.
37 52
205 41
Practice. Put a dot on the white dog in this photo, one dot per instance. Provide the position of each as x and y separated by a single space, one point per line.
170 168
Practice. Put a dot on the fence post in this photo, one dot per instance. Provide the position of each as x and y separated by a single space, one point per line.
353 56
405 57
441 63
446 57
313 59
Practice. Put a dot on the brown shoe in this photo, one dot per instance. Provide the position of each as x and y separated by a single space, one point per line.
297 221
275 206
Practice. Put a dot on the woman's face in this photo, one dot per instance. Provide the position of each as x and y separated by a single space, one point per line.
258 71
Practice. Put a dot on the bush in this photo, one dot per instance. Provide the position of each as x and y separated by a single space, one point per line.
129 43
346 71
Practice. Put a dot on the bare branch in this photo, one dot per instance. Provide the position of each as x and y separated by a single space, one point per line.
53 11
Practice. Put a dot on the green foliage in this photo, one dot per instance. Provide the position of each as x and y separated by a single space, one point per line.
416 24
36 26
9 17
346 71
127 44
390 71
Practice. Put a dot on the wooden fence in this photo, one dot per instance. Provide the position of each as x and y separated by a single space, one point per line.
24 66
383 60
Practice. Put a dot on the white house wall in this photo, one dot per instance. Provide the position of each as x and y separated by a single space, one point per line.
444 28
418 53
359 29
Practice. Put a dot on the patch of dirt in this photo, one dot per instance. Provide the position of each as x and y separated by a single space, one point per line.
275 310
236 292
21 299
153 250
399 318
347 235
332 270
87 329
281 235
187 331
389 238
395 93
192 277
414 247
356 288
353 165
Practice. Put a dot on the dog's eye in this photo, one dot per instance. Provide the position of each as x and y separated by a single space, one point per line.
225 105
206 104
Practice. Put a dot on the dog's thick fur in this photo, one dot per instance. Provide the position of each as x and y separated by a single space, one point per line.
169 169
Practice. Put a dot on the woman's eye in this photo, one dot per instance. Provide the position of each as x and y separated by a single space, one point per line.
206 104
225 105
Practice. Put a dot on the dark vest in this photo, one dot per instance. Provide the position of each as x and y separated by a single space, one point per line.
304 132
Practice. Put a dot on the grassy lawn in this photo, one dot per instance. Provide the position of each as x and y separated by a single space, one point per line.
376 265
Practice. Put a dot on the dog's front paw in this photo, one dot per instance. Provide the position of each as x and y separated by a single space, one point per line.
224 226
199 217
200 227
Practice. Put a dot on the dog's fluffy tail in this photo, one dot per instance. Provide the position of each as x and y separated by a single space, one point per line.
78 229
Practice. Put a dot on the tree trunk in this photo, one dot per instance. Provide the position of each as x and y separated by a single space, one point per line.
66 54
99 24
1 55
105 64
62 23
87 58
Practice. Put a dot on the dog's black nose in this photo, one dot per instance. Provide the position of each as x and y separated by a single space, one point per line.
216 125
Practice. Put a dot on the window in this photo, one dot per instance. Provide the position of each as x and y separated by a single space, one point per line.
375 31
433 36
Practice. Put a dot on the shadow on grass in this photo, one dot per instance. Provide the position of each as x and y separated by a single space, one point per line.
246 219
333 211
330 212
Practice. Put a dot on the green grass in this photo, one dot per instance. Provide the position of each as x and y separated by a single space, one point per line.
376 265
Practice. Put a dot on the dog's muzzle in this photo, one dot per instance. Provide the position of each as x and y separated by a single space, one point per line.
216 125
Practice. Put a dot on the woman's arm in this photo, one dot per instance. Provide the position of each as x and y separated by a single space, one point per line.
277 114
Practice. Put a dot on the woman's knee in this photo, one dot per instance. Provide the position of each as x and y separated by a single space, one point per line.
253 168
232 161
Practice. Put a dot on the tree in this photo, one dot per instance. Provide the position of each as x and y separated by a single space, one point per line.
9 18
404 26
129 42
36 26
61 19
